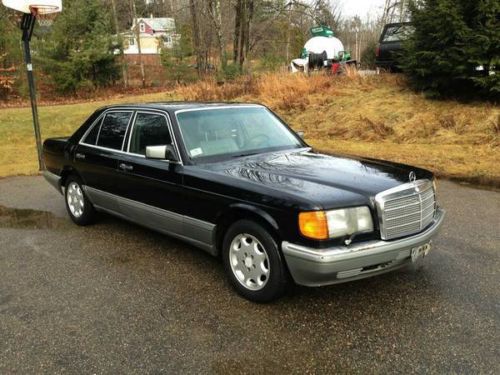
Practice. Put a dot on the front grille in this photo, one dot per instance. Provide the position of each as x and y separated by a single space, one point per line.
406 209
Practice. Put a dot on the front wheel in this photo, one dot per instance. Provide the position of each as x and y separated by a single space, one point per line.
79 207
253 263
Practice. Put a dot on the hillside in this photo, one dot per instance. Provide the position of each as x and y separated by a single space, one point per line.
375 116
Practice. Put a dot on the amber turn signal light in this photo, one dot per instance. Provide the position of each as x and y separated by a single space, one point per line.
313 225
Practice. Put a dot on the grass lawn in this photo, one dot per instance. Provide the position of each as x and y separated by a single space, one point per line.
370 116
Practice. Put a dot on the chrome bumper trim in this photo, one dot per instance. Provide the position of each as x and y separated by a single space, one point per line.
315 267
53 179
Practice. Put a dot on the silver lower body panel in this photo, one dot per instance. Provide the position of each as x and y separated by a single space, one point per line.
197 232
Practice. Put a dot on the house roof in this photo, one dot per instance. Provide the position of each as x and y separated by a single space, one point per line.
159 24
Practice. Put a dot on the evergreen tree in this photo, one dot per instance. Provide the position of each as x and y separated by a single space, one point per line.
455 48
79 51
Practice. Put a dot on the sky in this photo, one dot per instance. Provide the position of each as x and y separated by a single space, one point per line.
361 7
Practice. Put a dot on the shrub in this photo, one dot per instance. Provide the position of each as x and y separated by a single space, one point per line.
455 50
368 56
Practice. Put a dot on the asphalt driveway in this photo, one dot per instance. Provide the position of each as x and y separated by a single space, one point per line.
117 298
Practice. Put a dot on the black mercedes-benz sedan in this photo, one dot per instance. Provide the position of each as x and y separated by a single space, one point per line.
237 182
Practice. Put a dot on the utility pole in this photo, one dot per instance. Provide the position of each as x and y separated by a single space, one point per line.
117 31
137 32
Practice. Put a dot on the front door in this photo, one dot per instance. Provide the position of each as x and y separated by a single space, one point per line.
150 190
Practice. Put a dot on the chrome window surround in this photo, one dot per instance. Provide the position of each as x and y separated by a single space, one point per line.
408 190
133 126
127 134
100 120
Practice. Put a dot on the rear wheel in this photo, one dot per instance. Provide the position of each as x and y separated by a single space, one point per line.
253 263
79 208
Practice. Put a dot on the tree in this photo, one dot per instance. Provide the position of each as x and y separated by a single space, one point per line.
244 11
137 33
455 49
80 49
214 10
200 55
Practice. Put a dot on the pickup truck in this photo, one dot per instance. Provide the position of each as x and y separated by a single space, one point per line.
390 45
237 182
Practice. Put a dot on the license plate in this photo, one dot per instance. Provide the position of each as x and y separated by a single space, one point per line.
420 252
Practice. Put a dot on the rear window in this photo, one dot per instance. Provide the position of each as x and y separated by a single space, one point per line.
397 33
113 129
91 137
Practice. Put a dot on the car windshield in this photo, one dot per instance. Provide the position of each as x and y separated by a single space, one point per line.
397 33
233 131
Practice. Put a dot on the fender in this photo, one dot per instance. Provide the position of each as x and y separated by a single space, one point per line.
240 207
258 211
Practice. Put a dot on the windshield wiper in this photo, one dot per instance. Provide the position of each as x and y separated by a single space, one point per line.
243 155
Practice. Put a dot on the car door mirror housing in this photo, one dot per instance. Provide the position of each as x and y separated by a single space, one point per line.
165 152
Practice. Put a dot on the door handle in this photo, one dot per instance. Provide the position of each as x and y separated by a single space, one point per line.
125 167
79 156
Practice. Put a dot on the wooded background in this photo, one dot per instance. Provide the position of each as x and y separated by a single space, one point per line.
223 39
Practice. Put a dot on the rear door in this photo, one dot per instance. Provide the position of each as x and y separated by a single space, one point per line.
98 153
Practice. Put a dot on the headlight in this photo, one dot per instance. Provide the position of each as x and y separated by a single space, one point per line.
321 225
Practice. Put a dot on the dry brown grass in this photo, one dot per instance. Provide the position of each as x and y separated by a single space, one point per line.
374 116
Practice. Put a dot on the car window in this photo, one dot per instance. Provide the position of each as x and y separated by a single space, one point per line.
149 130
113 129
233 131
397 33
91 137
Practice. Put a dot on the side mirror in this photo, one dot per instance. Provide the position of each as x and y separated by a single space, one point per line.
166 152
301 134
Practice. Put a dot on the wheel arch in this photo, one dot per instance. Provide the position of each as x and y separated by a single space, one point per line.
241 211
67 171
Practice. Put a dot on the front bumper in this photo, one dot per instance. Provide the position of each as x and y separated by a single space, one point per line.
316 267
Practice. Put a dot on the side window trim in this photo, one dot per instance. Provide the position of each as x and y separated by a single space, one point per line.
99 123
124 136
128 133
133 126
130 128
170 130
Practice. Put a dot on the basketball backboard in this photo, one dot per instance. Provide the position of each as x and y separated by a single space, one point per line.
36 6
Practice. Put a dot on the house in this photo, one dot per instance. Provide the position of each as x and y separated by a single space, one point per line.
154 34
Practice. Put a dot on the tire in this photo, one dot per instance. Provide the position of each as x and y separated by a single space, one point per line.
80 209
253 262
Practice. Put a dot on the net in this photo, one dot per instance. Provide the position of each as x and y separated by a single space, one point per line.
45 15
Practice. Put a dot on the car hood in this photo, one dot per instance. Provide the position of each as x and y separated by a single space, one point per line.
328 180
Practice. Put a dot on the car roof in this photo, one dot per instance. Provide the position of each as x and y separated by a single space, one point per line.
176 105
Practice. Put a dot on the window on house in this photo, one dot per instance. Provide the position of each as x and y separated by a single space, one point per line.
142 27
131 41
